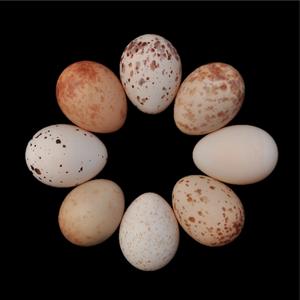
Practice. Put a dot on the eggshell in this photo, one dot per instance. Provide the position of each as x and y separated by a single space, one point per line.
65 155
208 99
149 233
240 154
91 212
150 71
208 210
92 97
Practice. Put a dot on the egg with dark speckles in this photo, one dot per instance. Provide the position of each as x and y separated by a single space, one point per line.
92 97
208 210
149 233
150 71
208 99
91 212
65 155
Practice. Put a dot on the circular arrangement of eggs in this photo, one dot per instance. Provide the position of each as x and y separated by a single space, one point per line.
94 99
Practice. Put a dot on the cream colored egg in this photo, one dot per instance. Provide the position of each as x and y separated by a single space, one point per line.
239 154
149 234
208 210
92 97
208 99
91 212
150 71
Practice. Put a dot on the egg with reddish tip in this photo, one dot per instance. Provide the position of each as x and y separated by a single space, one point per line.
91 96
208 99
208 210
150 71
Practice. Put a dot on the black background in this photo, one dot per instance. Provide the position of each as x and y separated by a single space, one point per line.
149 154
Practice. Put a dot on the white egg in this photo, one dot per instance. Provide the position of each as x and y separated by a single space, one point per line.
149 234
208 210
239 154
150 71
65 155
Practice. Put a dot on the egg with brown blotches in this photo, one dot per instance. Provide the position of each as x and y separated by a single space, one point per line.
92 97
149 233
150 71
208 210
208 99
91 212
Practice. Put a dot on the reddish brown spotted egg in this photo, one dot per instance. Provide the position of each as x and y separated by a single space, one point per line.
92 97
150 71
208 99
208 210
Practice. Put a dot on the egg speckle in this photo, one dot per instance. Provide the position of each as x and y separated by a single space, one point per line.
239 154
208 99
92 97
91 212
150 71
208 210
149 234
65 155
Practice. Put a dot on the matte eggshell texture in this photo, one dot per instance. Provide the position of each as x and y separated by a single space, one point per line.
208 210
92 97
91 212
208 99
239 154
150 71
65 155
149 233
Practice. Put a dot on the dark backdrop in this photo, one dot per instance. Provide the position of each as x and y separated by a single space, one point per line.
149 154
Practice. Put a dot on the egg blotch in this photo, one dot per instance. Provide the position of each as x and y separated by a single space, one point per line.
150 71
149 233
65 155
209 211
208 99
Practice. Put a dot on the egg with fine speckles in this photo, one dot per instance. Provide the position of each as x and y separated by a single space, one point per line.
150 71
208 99
65 155
91 212
91 96
149 233
208 210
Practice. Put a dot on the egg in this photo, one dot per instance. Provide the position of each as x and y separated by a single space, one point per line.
92 97
239 154
150 71
149 233
208 210
208 99
65 155
91 212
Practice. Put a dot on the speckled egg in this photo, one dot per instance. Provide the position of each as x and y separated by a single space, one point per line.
208 99
65 155
239 154
92 97
150 70
91 212
208 210
149 234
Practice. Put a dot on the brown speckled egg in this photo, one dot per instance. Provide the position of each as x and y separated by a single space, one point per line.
208 99
92 97
208 210
150 71
91 212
